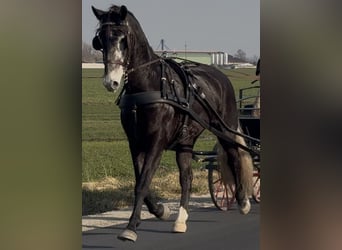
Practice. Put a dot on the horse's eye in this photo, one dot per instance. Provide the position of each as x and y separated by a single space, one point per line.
123 44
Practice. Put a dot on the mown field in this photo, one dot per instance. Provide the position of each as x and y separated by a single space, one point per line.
106 162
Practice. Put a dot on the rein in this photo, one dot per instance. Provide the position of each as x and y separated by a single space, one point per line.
128 71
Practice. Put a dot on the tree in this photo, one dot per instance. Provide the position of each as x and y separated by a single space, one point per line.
240 54
253 60
89 55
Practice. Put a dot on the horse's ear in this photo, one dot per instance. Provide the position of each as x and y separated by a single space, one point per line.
98 13
123 12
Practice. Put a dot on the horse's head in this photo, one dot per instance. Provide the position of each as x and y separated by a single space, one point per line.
112 39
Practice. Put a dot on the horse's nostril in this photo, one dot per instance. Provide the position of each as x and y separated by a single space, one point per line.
115 84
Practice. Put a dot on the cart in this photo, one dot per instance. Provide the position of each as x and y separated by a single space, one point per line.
223 196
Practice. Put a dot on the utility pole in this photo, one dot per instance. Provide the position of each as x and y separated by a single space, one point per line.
185 50
162 44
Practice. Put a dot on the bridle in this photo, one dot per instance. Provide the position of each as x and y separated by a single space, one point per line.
98 45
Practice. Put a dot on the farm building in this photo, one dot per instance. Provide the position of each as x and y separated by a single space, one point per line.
206 57
217 58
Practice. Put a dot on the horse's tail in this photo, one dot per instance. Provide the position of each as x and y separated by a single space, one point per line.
246 167
226 172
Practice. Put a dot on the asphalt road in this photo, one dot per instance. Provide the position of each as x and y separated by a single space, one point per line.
208 228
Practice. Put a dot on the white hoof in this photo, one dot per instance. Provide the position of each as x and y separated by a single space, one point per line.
128 235
246 208
180 223
166 214
179 227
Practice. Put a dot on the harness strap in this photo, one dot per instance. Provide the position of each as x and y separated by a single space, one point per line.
204 102
191 91
163 79
153 97
143 65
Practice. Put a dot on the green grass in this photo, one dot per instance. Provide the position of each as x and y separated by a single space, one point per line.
104 146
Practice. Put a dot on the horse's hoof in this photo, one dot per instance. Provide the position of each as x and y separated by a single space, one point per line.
179 227
245 208
128 235
166 214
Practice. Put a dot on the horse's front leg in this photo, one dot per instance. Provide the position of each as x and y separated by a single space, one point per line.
159 210
185 178
143 181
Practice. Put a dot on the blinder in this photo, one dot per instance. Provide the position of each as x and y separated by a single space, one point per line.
97 44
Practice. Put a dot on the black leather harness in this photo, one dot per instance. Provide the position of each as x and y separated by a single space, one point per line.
168 95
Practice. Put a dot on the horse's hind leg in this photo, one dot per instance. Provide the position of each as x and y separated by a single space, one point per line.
184 164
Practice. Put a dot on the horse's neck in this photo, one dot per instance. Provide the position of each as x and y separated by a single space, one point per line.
144 78
142 53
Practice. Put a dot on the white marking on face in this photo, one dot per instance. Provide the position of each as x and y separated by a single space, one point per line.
114 71
113 78
182 215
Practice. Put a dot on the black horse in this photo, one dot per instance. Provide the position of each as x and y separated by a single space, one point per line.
167 105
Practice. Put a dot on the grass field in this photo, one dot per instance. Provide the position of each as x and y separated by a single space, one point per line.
105 154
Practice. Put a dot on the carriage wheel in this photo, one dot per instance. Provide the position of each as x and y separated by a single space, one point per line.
223 196
256 186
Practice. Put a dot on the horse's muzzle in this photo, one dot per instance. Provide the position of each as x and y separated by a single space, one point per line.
111 86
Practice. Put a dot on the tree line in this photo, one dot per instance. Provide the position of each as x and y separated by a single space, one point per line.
89 54
240 54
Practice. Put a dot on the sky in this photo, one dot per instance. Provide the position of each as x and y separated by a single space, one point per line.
215 25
